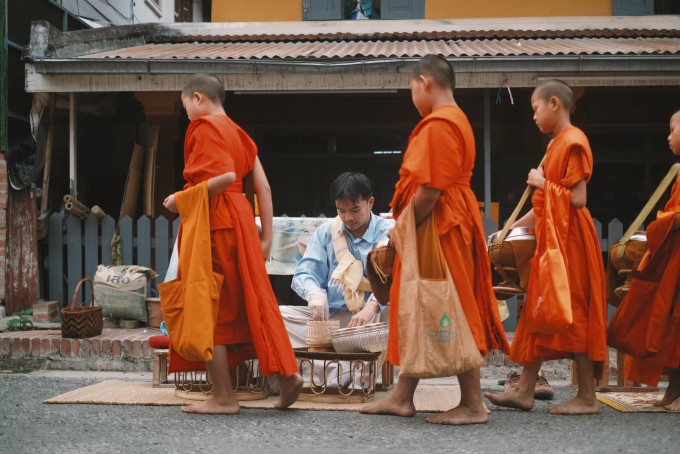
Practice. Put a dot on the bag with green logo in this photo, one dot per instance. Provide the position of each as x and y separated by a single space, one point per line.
434 337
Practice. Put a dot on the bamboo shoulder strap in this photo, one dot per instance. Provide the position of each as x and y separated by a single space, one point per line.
651 203
513 217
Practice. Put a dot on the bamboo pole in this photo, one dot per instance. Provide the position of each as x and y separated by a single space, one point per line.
97 211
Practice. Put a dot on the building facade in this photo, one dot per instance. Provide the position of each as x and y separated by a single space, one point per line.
297 10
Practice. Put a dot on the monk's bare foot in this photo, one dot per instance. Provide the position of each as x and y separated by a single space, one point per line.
289 390
212 407
461 415
391 406
669 397
512 398
577 406
673 406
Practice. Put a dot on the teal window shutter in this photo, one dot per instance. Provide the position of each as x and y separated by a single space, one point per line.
633 7
402 9
321 9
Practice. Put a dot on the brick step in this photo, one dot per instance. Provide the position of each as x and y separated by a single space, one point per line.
114 350
128 350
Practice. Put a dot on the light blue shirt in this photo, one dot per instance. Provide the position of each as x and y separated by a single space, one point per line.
316 267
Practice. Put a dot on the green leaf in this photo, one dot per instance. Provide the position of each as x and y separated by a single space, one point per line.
13 325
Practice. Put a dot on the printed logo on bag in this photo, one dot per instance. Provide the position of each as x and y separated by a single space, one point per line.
118 279
444 333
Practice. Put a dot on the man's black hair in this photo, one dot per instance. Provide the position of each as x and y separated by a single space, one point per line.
352 186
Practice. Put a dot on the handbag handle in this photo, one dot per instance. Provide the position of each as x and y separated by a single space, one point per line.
513 217
75 293
653 200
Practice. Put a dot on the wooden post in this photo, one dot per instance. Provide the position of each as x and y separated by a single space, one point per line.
22 251
73 145
4 108
49 143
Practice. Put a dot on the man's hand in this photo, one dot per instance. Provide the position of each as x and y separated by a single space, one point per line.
317 300
169 203
365 315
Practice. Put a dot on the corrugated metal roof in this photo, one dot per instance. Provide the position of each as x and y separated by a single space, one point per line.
339 49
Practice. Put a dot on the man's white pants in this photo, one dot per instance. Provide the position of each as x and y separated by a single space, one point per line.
295 319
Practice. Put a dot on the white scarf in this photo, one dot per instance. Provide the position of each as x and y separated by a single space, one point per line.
349 275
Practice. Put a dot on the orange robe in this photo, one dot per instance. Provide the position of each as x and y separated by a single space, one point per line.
578 273
441 155
662 264
248 321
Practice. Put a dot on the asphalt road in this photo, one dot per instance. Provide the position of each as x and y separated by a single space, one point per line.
29 426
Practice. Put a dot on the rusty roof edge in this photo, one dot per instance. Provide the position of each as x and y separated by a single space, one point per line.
426 36
660 62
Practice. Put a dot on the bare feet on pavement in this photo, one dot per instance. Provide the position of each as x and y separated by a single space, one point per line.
289 390
673 406
460 415
577 406
512 398
669 397
391 406
212 407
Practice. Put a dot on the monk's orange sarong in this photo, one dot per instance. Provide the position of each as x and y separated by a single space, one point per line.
248 320
441 155
578 323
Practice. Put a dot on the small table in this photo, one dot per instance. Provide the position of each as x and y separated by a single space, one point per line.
361 388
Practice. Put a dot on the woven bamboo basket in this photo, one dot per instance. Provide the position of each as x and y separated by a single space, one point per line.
319 334
82 321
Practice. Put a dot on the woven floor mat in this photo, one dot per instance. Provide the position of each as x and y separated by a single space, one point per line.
428 398
633 402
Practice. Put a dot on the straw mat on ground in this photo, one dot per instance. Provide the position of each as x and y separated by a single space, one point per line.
428 398
632 402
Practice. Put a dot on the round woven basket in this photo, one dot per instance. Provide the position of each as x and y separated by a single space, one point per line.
319 334
366 338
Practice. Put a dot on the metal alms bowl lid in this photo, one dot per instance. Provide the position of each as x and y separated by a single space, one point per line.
640 235
516 234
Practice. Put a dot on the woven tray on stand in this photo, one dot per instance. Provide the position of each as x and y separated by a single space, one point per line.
247 382
363 368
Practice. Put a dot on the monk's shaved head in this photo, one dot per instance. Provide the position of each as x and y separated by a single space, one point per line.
206 84
559 90
438 68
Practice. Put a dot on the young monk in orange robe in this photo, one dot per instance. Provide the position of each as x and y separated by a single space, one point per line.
663 258
568 271
436 173
249 322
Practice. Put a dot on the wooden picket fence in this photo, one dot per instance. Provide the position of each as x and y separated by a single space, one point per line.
76 247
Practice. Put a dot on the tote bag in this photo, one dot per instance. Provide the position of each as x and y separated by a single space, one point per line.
191 328
434 337
548 304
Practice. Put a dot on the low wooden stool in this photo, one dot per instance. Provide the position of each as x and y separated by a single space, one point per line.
160 367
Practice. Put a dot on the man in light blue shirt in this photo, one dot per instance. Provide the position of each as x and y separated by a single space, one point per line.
315 276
